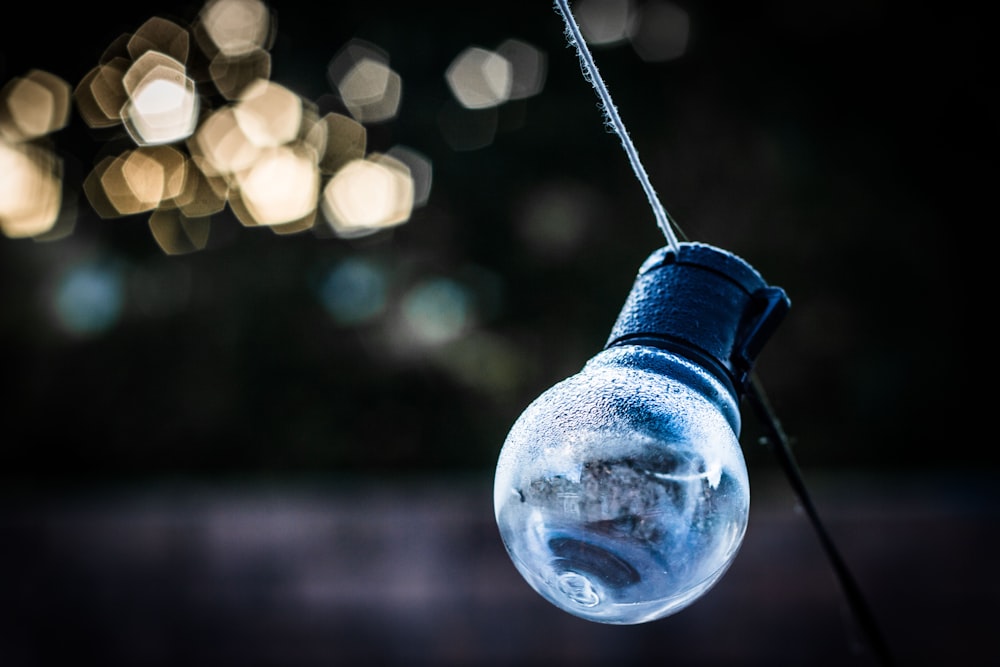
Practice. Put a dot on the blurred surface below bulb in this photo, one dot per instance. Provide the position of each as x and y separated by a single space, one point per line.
621 493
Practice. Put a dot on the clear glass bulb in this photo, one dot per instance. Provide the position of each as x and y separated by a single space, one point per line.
621 493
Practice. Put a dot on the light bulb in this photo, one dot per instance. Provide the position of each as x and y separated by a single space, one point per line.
621 493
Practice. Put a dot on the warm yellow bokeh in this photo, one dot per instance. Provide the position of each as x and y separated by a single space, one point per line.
30 190
236 27
33 106
262 151
163 107
281 186
161 35
222 144
367 195
268 113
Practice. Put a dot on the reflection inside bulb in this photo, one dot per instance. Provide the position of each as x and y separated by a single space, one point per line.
630 529
622 494
578 588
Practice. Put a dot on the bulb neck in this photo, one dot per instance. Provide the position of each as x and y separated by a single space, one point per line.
705 304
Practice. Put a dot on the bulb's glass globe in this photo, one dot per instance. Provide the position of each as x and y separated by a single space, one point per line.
621 493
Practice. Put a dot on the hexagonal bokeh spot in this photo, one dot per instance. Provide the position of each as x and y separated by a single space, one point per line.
480 78
268 113
163 108
34 105
367 195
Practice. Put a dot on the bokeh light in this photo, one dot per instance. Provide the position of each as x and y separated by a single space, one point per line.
268 113
265 151
88 298
339 139
232 75
149 89
480 78
529 67
100 96
282 186
437 311
31 174
160 35
133 182
421 171
203 195
605 22
481 81
368 195
240 140
177 233
30 189
33 106
354 291
234 28
222 145
163 107
369 89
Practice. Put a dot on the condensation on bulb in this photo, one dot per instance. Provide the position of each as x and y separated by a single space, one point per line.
621 493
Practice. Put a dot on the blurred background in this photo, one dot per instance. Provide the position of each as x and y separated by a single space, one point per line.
254 421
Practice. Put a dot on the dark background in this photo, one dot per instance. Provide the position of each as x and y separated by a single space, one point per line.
234 476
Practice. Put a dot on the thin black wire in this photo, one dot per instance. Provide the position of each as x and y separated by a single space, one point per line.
782 449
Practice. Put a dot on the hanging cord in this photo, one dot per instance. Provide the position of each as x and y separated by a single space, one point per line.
780 445
755 394
614 121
